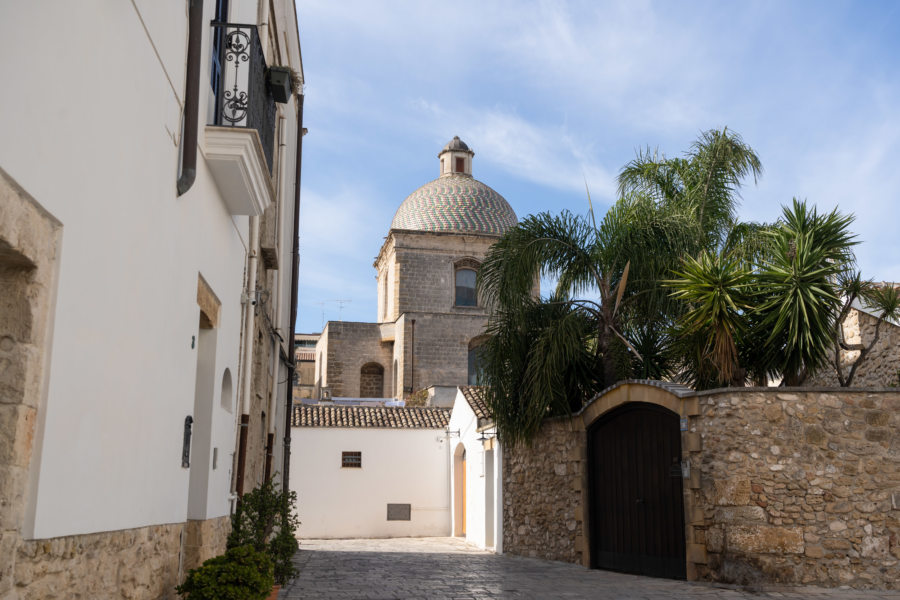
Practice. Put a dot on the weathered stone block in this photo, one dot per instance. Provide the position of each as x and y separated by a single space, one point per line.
764 539
732 492
696 553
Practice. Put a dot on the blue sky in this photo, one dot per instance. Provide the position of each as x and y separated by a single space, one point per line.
549 94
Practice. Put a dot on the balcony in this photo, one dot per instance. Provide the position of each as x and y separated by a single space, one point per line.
239 140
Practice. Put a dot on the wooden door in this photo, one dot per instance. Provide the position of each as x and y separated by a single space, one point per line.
636 502
464 497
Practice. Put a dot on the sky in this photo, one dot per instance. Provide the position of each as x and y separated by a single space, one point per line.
553 95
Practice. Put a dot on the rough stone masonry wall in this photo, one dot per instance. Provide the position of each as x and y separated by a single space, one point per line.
880 368
350 346
542 497
799 487
792 486
134 564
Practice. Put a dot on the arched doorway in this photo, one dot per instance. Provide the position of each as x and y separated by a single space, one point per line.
459 491
371 381
636 501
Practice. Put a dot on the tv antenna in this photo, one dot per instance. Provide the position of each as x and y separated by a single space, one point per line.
340 303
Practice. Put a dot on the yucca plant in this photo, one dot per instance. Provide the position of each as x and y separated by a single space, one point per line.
715 289
801 302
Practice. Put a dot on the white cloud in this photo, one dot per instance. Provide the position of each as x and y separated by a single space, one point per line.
550 155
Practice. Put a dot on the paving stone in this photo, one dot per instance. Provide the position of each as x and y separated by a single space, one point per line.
449 568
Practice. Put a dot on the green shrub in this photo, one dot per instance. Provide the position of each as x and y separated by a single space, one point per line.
241 573
266 519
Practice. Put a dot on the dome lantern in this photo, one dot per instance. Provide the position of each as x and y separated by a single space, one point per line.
456 158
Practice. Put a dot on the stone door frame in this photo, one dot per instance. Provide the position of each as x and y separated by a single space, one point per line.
30 239
681 401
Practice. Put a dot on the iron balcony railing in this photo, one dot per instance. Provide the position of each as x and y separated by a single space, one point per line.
238 79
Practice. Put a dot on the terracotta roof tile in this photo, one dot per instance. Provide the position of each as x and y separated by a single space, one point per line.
475 397
384 417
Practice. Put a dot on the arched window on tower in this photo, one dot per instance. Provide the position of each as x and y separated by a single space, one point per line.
465 276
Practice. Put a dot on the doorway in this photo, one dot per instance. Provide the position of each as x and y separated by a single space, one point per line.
636 501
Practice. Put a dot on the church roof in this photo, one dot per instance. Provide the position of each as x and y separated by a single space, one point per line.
380 417
474 395
455 203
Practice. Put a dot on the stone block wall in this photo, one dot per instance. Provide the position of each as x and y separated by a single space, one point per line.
425 272
442 348
799 487
347 346
135 564
542 495
881 368
788 486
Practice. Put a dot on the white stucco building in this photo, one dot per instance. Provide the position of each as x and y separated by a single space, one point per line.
476 466
371 471
148 204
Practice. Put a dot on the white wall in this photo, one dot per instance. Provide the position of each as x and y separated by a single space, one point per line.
90 130
481 476
399 466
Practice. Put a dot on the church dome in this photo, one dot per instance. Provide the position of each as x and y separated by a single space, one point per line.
455 202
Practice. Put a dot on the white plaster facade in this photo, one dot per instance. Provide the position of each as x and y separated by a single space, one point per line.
399 466
91 130
476 482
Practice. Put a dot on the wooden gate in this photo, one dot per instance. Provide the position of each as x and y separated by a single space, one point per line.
636 502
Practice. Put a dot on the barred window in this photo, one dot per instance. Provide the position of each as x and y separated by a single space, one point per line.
351 460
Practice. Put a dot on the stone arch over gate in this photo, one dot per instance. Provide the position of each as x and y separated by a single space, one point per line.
637 481
30 241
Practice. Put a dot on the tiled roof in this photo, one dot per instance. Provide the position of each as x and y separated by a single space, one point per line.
455 203
385 417
309 355
475 397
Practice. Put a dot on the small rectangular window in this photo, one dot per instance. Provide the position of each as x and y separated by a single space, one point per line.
460 164
352 460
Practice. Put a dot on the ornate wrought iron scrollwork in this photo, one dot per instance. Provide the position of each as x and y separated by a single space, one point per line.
237 51
239 82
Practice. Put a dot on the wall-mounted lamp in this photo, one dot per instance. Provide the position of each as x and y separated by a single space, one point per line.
186 443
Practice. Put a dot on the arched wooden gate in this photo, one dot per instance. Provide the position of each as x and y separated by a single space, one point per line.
636 502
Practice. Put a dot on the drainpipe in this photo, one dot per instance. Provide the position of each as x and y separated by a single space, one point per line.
412 365
276 355
295 267
249 324
191 99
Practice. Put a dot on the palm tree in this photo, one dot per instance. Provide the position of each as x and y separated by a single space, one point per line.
716 290
800 301
771 311
706 181
547 355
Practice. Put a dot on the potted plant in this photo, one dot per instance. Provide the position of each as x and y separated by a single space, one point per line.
282 81
266 520
242 573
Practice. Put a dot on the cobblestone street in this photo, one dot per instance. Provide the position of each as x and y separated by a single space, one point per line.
438 568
